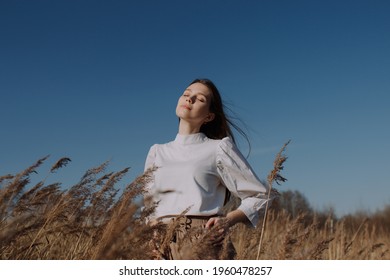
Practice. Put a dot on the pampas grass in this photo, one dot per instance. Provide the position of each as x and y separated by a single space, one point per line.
95 219
274 176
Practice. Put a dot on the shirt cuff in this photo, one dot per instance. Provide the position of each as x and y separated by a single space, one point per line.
253 207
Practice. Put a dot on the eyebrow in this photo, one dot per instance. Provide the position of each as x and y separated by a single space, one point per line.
198 92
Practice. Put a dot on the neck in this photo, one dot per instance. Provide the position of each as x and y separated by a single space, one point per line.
186 128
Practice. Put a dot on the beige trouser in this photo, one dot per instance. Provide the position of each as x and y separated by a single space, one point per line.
190 240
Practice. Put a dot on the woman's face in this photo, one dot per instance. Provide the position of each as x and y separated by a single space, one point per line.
194 105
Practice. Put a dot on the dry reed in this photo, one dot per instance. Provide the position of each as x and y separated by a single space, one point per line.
94 219
274 176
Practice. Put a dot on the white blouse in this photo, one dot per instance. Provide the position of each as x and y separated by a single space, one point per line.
193 171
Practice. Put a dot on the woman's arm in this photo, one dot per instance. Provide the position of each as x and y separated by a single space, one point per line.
222 224
232 218
238 176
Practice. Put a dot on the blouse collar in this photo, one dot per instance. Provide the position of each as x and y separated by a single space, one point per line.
190 138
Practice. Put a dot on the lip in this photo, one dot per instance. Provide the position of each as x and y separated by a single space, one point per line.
186 107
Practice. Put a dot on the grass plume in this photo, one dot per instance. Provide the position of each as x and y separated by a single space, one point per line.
96 219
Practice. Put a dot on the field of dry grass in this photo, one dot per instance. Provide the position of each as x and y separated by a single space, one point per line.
92 220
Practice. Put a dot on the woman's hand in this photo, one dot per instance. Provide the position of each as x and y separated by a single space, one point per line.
222 224
220 227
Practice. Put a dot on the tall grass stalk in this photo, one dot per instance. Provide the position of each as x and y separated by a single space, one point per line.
273 176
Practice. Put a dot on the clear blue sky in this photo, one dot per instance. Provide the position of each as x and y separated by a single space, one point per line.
99 80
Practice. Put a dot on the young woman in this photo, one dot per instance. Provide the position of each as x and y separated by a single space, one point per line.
197 170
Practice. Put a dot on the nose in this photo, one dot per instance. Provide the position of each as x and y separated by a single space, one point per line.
190 99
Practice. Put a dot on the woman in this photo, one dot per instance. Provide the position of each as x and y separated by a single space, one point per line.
197 170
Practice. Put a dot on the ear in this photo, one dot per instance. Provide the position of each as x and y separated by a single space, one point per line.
210 117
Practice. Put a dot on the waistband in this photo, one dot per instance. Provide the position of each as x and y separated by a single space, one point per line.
191 217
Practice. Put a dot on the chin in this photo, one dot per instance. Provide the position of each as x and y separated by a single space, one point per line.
181 113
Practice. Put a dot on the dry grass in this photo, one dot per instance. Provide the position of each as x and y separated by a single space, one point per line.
92 220
86 221
287 238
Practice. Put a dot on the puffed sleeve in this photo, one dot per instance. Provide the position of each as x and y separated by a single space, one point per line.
149 187
149 163
150 158
239 178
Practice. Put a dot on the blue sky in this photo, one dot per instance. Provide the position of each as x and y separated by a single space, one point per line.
99 80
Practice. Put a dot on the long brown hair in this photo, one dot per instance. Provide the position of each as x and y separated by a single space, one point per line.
221 125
